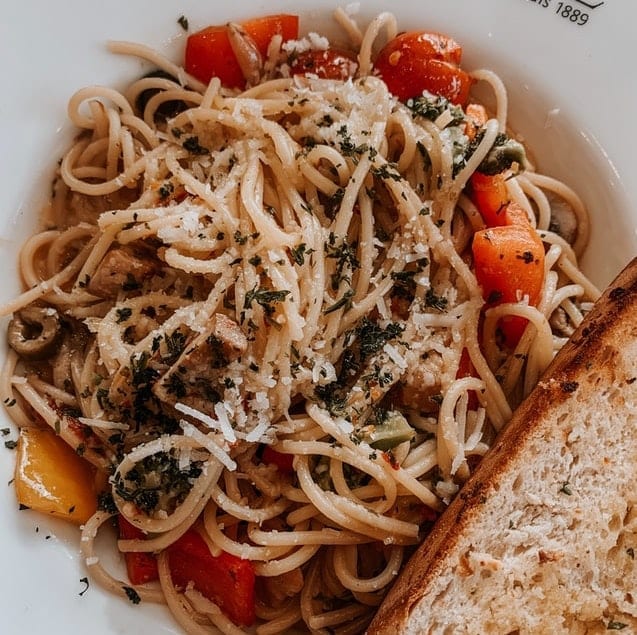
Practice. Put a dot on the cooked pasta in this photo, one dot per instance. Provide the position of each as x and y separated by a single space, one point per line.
234 277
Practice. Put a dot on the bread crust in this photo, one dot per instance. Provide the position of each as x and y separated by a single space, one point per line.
592 357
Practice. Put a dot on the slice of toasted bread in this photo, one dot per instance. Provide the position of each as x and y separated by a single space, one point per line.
543 537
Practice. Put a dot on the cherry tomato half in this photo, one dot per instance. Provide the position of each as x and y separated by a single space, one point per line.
328 64
209 53
417 61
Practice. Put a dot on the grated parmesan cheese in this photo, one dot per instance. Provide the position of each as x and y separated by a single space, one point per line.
444 119
323 372
395 356
261 428
93 324
196 414
311 42
222 410
208 443
185 458
268 382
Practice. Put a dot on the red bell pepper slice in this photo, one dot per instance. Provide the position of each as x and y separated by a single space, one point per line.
209 54
140 565
284 462
226 580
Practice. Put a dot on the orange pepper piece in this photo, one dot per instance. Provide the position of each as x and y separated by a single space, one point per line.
509 264
51 478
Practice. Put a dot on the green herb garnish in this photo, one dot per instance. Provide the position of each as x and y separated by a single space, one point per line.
132 595
123 314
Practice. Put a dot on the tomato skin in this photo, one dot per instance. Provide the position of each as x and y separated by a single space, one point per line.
513 214
284 462
489 193
429 515
426 44
226 580
328 64
509 260
140 566
476 118
509 264
209 53
263 29
417 61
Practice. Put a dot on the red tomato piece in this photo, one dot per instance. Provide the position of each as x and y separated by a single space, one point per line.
140 565
284 462
226 580
477 113
489 193
418 61
509 264
429 515
209 54
427 44
476 118
262 30
514 215
327 64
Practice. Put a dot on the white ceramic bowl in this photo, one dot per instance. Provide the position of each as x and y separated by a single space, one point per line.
570 76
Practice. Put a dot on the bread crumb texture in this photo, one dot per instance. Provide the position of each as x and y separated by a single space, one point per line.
555 549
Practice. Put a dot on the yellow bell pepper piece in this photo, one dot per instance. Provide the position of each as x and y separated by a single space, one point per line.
51 478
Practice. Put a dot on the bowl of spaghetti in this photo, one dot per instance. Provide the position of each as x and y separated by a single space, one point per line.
275 281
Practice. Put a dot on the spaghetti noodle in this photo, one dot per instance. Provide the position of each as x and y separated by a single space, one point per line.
283 268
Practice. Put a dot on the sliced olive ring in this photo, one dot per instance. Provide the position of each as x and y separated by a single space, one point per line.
35 333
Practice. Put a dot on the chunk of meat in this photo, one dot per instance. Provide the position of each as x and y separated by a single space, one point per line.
86 208
563 218
420 387
228 337
222 343
120 270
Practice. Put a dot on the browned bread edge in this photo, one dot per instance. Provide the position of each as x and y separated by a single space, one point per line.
605 327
